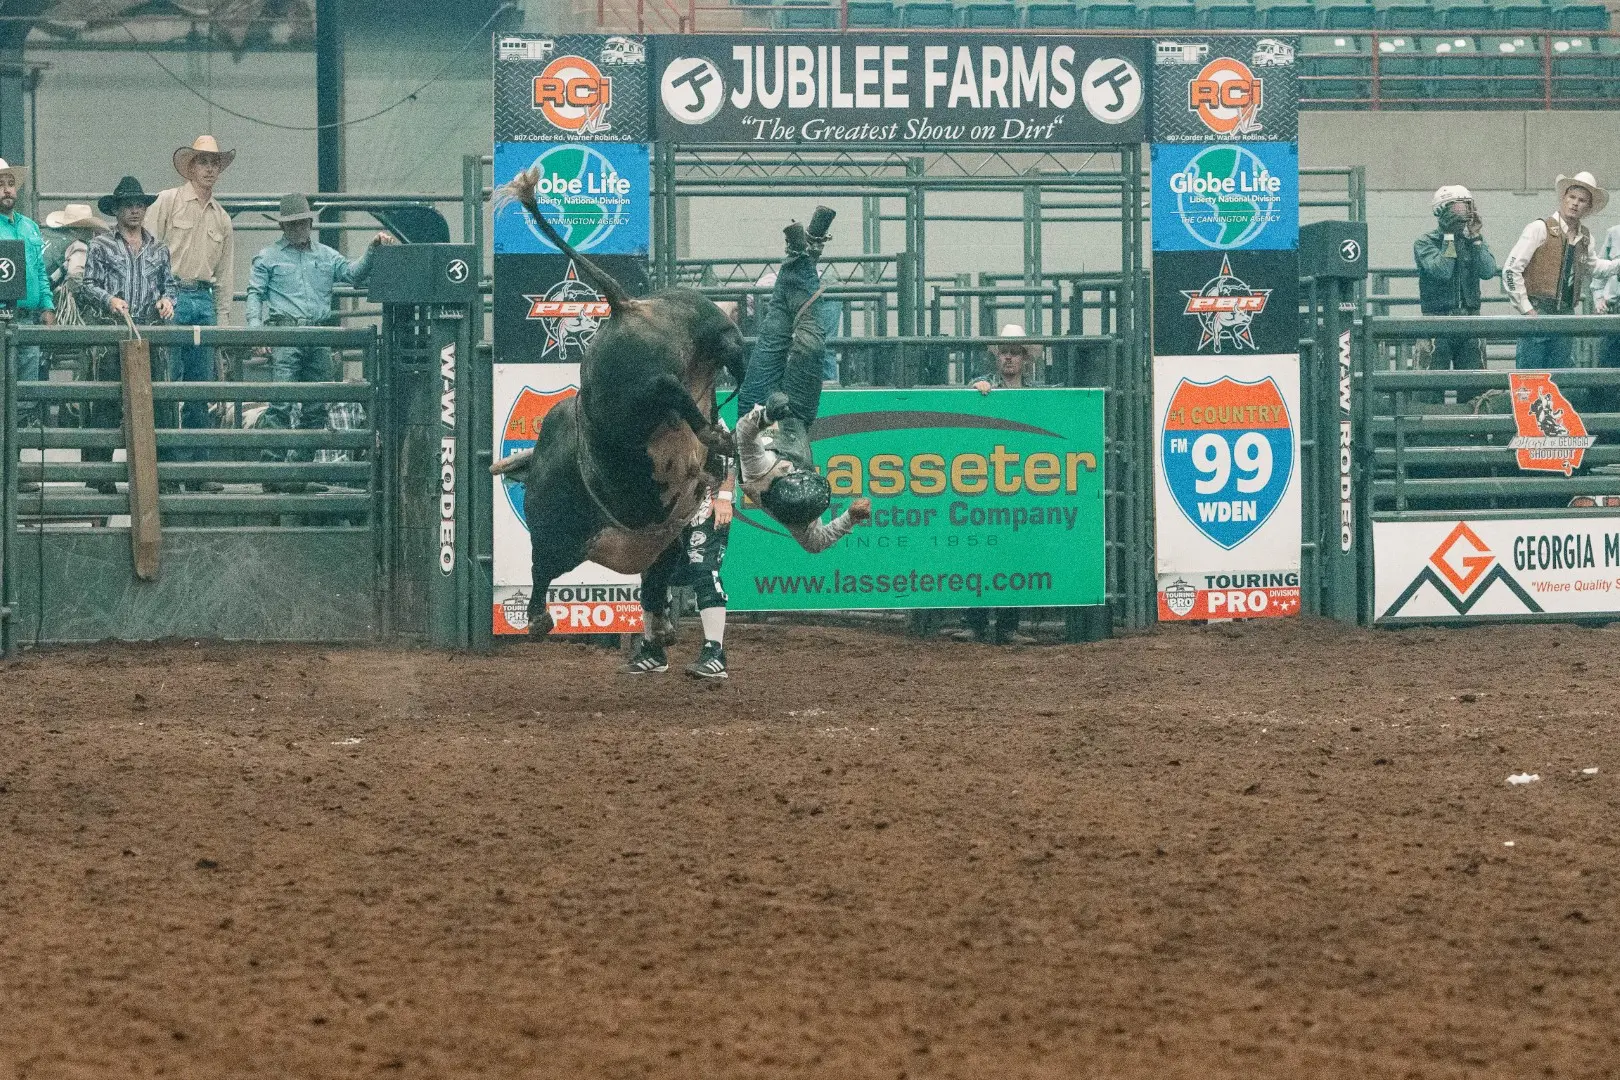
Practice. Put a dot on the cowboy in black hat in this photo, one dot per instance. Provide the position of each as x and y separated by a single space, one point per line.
126 276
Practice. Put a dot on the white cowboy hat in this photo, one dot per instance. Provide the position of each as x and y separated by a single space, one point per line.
19 171
1449 194
1012 329
75 215
204 144
1600 198
1011 332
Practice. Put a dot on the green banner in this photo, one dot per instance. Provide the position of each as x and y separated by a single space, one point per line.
977 501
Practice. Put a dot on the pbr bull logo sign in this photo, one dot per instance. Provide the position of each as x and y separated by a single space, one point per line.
572 88
1227 455
570 313
1220 303
1225 308
545 309
1210 90
1551 437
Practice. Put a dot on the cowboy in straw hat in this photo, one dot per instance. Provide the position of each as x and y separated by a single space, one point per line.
202 249
67 233
1010 354
291 285
1553 264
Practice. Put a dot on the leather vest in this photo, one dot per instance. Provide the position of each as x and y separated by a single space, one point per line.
1545 278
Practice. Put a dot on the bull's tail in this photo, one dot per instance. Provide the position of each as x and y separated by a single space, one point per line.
521 188
512 462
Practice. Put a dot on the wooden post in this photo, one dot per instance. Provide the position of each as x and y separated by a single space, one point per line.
140 443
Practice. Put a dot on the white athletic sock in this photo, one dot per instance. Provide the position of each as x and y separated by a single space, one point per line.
714 624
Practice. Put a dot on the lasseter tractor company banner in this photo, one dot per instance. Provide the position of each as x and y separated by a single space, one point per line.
1503 568
1227 485
978 501
936 89
589 599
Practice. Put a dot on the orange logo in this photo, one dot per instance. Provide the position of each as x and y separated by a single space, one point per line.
1461 558
1551 437
1227 96
574 95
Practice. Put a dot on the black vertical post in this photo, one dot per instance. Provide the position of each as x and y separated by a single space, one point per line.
329 109
13 92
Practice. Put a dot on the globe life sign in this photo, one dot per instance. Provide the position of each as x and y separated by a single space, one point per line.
1225 197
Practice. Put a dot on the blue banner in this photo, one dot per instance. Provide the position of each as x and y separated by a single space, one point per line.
598 195
1225 197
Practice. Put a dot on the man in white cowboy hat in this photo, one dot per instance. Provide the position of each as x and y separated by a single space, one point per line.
1552 265
291 285
1452 259
202 252
37 306
67 233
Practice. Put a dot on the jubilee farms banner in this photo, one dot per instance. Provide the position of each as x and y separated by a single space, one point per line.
978 501
590 599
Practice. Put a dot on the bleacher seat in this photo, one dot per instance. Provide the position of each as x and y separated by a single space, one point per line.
1286 14
1464 14
869 14
1046 14
1167 14
1522 15
1335 68
1106 14
1227 14
986 14
1403 14
1400 63
1580 15
1458 65
1345 14
1579 73
805 15
924 14
1516 60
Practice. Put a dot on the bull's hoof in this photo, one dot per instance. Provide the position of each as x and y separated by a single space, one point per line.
540 623
662 629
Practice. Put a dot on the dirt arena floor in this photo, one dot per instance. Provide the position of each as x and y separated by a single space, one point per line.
1244 851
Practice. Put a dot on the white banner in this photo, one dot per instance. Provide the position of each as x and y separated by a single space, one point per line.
1495 567
1226 468
590 599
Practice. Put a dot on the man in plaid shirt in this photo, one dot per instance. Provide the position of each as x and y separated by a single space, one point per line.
126 276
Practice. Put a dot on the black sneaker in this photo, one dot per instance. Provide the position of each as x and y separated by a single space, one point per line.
647 659
711 662
777 406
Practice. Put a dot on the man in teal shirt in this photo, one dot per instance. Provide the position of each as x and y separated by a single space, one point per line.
37 306
291 285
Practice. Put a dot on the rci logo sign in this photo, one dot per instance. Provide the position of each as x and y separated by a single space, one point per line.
574 95
1226 96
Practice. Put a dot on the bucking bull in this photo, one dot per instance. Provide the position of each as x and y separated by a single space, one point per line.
619 469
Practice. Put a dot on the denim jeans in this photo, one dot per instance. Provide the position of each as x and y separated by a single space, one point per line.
1544 352
193 363
767 372
30 362
297 363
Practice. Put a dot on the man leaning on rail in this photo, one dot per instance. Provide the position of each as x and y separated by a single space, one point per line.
1552 265
1452 259
291 285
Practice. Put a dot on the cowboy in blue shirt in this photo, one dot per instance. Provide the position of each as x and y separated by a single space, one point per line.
291 285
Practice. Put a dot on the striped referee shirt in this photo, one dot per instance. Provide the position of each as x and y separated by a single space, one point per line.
138 278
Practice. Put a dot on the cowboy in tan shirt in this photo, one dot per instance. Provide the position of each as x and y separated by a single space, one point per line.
202 252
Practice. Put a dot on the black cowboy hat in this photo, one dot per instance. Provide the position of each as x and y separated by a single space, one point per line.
127 191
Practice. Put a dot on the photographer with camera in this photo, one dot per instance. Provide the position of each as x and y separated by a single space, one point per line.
1452 260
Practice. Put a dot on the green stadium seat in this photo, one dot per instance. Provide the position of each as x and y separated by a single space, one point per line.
1580 15
1516 60
1403 15
1335 68
1046 14
1106 14
1522 15
924 14
1459 66
1345 14
1167 14
1226 14
1578 72
1286 14
870 14
986 14
1464 14
1400 64
805 15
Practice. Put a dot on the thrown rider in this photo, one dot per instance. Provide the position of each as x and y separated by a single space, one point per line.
781 395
